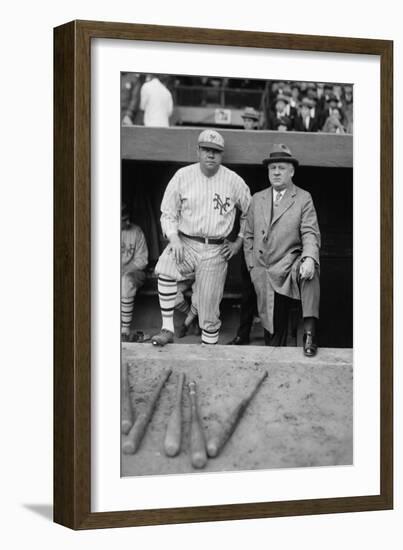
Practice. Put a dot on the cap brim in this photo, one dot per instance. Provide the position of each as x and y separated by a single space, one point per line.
209 145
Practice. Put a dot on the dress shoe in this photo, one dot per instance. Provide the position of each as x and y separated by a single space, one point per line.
182 330
310 346
238 341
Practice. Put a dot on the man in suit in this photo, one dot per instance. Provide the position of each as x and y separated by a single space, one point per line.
281 246
332 107
305 122
283 124
282 109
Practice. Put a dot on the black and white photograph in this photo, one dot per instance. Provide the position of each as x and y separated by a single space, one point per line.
236 274
224 409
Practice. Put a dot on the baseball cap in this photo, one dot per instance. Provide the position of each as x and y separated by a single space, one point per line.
211 139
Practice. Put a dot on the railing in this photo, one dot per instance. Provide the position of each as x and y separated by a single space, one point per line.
220 96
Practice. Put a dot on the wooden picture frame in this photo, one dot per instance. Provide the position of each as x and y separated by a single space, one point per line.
72 270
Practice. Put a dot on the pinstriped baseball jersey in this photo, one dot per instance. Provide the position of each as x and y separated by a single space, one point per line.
204 206
134 251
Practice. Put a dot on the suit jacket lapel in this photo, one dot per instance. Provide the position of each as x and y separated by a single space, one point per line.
285 203
267 206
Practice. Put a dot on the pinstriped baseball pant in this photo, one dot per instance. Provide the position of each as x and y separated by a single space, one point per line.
209 268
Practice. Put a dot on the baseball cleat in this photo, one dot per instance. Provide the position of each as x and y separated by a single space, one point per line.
162 338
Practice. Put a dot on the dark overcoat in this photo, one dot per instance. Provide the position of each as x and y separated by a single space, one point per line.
275 242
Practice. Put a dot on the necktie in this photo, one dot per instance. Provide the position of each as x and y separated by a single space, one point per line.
278 198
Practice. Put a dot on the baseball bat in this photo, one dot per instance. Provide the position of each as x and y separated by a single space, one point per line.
197 441
172 442
217 441
127 411
133 439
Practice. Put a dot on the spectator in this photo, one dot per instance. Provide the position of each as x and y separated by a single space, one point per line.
277 87
287 89
311 90
332 106
320 90
315 109
250 119
295 96
337 91
305 122
333 123
324 99
347 106
156 102
282 110
283 124
130 84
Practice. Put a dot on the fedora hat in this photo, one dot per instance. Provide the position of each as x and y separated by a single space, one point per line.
250 112
308 102
282 97
280 153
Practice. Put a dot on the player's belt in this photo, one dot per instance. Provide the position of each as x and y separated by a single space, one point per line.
204 240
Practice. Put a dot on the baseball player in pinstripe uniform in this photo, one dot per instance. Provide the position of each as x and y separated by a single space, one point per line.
134 259
198 213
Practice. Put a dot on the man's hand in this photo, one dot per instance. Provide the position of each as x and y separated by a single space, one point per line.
229 249
176 246
307 269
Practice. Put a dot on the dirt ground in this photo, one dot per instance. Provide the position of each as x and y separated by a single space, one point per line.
301 416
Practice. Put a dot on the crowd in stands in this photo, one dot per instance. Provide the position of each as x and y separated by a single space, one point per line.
280 105
310 107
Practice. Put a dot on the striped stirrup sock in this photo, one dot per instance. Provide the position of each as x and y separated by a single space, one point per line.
167 290
126 309
209 337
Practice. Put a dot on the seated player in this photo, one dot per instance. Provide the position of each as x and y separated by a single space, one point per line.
134 259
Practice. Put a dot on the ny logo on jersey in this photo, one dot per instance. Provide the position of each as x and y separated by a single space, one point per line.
219 204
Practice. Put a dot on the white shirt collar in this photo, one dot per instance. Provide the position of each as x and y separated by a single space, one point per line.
280 193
